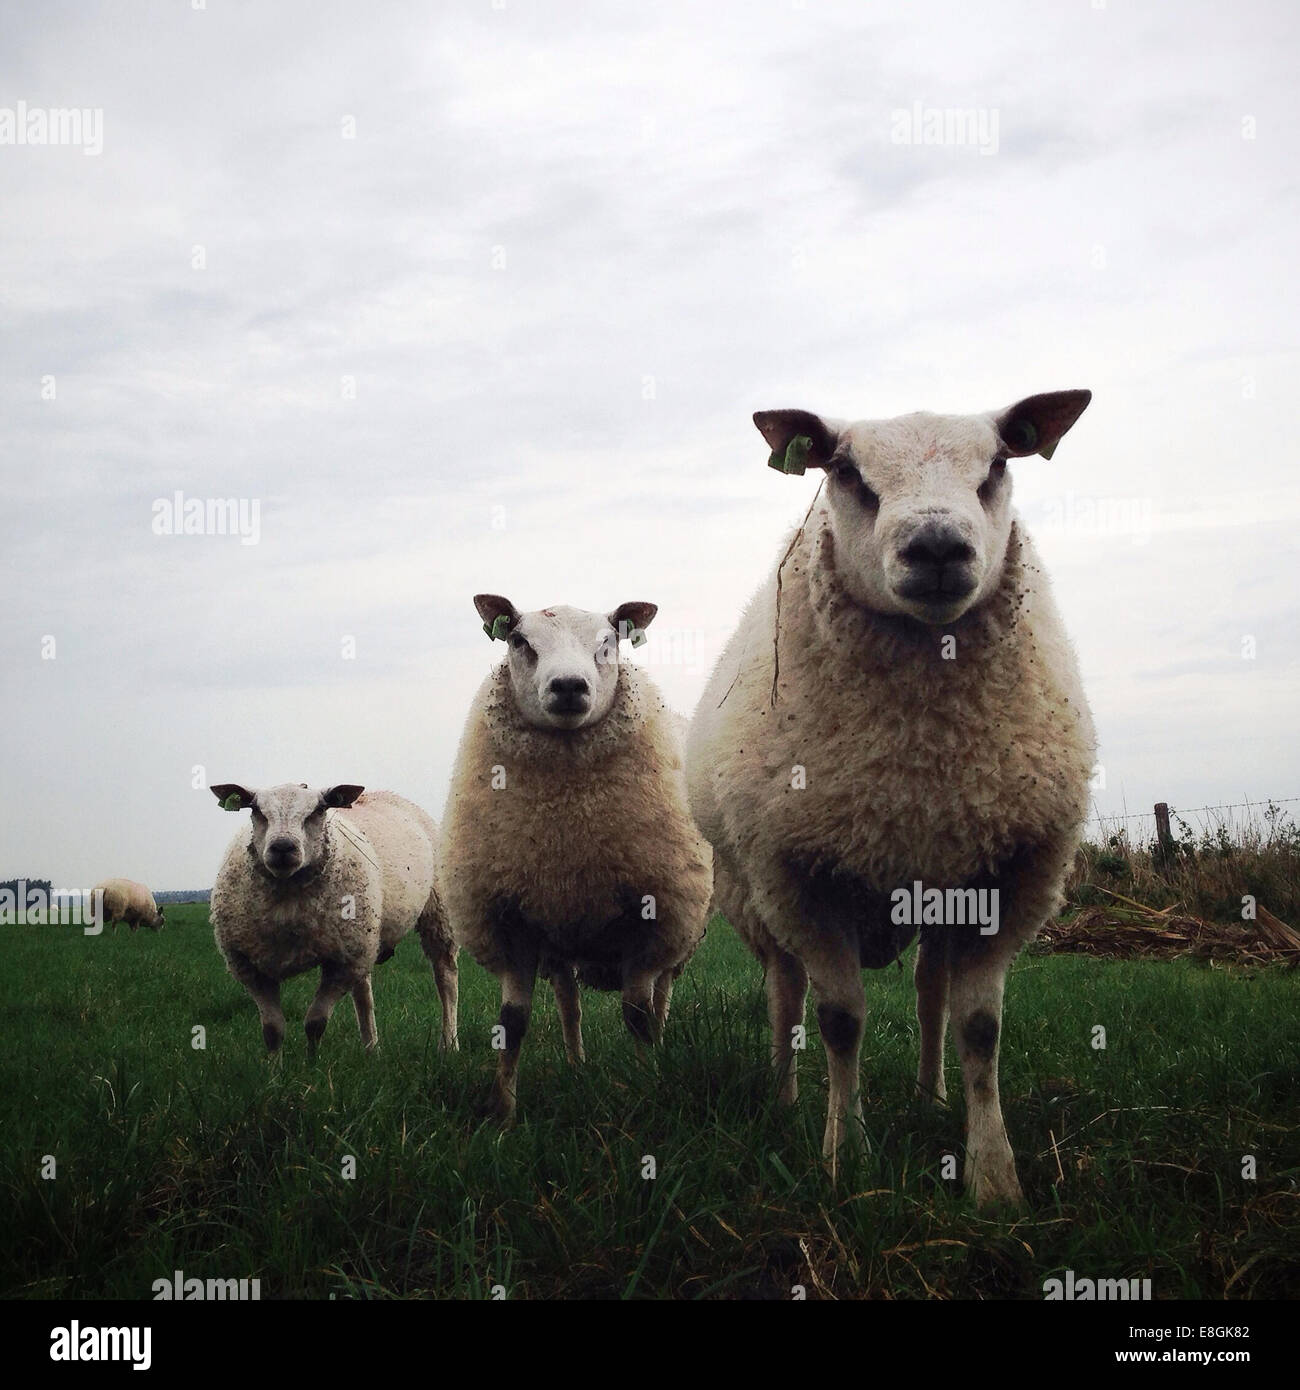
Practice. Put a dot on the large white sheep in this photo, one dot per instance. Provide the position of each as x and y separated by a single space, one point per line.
334 879
898 706
568 845
125 900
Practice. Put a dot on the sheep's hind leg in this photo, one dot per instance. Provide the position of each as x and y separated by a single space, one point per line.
931 978
446 977
334 984
363 1001
978 979
638 1007
663 998
564 982
787 994
441 955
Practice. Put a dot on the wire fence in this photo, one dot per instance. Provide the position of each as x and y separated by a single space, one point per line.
1257 808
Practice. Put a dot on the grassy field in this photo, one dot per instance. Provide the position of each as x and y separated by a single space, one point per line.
222 1164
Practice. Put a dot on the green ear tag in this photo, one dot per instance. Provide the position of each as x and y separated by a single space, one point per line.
795 459
232 802
637 637
500 627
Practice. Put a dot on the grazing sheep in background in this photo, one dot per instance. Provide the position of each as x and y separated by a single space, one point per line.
568 845
125 900
899 704
334 879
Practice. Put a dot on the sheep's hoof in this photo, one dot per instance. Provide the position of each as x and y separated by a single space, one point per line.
272 1037
933 1100
996 1187
497 1110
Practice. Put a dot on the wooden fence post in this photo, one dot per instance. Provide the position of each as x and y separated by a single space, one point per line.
1164 836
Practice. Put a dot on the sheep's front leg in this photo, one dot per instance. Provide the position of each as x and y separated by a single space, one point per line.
564 982
787 995
363 1001
266 995
335 981
516 1007
977 983
836 973
931 977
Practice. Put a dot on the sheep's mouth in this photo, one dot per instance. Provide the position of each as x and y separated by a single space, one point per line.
283 868
936 595
571 709
933 584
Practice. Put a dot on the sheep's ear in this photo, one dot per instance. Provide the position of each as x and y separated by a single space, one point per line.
499 614
232 796
798 439
630 620
341 796
1036 424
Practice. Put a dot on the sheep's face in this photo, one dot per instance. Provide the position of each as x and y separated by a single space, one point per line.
562 662
288 831
920 506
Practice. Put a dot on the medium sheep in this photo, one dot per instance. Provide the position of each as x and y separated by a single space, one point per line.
125 900
569 848
899 706
335 879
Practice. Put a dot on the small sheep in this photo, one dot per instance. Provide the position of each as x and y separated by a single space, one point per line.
899 711
569 849
334 879
125 900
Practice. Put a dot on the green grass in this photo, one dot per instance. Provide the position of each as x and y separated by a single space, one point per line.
224 1164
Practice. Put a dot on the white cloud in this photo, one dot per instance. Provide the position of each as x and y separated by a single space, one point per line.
700 214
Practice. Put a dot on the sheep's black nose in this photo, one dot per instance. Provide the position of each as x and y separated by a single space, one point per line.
569 686
282 849
937 544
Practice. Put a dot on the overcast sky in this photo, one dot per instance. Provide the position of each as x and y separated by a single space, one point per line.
481 296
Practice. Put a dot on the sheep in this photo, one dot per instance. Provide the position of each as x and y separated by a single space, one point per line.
899 710
569 848
331 878
125 900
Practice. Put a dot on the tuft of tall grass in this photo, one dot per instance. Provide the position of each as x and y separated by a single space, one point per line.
1206 873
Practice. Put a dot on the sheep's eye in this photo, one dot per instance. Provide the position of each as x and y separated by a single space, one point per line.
521 644
257 815
990 484
849 476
